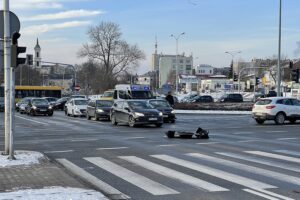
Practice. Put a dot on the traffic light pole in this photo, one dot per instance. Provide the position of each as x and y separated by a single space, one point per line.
7 63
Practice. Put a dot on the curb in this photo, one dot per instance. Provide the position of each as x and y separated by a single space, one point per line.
213 112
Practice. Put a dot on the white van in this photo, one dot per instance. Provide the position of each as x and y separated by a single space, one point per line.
127 91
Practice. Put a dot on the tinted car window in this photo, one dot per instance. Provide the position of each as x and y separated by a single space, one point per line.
295 102
264 102
287 102
103 103
157 103
139 105
40 102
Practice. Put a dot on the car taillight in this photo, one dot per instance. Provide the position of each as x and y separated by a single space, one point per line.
270 107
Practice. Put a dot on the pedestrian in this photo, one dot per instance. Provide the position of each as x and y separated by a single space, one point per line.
170 99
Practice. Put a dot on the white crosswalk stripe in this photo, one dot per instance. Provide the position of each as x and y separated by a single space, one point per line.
251 169
198 183
276 156
247 182
292 153
132 177
260 161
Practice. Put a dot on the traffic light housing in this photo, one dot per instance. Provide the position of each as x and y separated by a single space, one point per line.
295 75
16 50
235 77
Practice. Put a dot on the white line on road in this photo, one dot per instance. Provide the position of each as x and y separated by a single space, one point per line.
260 161
248 168
247 182
276 131
276 156
242 133
292 153
31 120
286 138
208 143
63 151
275 195
198 183
132 177
102 186
260 194
132 138
112 148
83 140
166 145
245 141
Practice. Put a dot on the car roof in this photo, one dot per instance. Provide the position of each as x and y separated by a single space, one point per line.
79 99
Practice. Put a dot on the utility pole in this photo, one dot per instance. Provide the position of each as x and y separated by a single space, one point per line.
279 55
7 71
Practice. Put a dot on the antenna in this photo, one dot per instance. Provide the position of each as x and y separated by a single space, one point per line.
155 44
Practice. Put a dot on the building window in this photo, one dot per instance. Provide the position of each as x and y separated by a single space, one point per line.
174 60
37 63
188 67
37 54
174 66
181 61
188 61
210 71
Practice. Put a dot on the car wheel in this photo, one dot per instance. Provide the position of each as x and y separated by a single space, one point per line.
114 120
173 121
292 121
158 125
259 121
280 118
131 121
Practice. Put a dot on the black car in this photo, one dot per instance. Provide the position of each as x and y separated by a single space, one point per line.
2 106
51 100
60 103
39 106
203 99
164 107
135 112
99 109
233 97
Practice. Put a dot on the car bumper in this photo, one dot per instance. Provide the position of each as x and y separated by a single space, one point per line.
103 115
41 112
148 120
169 116
263 116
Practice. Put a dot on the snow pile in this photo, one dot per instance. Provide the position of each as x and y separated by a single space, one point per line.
22 158
53 193
218 112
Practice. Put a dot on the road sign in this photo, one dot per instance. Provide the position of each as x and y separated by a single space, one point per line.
77 87
14 23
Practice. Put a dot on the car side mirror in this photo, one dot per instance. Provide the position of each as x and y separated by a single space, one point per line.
127 109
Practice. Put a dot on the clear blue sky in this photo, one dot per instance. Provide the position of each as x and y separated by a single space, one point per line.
212 26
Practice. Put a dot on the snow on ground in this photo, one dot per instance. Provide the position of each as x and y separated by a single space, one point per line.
22 158
219 112
53 193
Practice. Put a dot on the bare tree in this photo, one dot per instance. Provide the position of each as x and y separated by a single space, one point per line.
114 55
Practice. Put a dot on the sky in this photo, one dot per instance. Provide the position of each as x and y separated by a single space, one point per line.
211 27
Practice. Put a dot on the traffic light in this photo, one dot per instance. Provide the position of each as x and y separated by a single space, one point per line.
257 81
235 77
295 75
291 65
16 50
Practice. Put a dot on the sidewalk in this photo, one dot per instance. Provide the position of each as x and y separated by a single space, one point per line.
26 178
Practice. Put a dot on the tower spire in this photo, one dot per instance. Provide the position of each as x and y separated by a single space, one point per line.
155 44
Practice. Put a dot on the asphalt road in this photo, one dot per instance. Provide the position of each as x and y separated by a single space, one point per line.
241 160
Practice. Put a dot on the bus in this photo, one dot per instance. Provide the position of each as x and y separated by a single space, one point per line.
34 91
127 91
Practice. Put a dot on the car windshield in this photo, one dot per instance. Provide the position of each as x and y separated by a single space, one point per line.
108 94
160 103
78 96
51 99
263 102
139 105
103 103
40 102
80 102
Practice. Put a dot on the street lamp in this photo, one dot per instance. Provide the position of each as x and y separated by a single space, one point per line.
233 54
279 52
177 38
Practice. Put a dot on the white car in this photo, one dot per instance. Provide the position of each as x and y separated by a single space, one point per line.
278 109
77 107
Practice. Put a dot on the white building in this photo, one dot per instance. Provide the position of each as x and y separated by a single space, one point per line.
204 70
168 65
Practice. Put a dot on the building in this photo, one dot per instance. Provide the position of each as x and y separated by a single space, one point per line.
168 65
204 71
215 84
37 55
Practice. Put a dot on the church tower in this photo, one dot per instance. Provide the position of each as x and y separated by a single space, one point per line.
37 54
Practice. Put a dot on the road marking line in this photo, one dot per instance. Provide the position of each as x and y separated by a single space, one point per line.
198 183
83 140
260 161
132 177
275 195
244 141
260 194
102 186
241 133
132 138
292 153
166 145
240 180
112 148
248 168
286 138
276 156
32 120
208 143
63 151
276 131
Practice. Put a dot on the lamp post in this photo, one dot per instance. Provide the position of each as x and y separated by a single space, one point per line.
177 38
233 54
279 52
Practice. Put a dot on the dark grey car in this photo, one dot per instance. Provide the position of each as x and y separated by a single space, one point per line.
135 112
99 109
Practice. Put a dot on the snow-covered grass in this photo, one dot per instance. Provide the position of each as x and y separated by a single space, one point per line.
22 158
53 193
219 112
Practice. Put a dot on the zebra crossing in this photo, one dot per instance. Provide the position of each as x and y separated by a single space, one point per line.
256 173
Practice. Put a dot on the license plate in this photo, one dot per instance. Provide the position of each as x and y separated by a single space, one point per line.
259 114
152 119
43 110
165 116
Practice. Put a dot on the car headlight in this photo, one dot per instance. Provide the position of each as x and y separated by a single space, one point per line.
100 110
137 114
160 114
34 107
173 111
50 107
76 108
